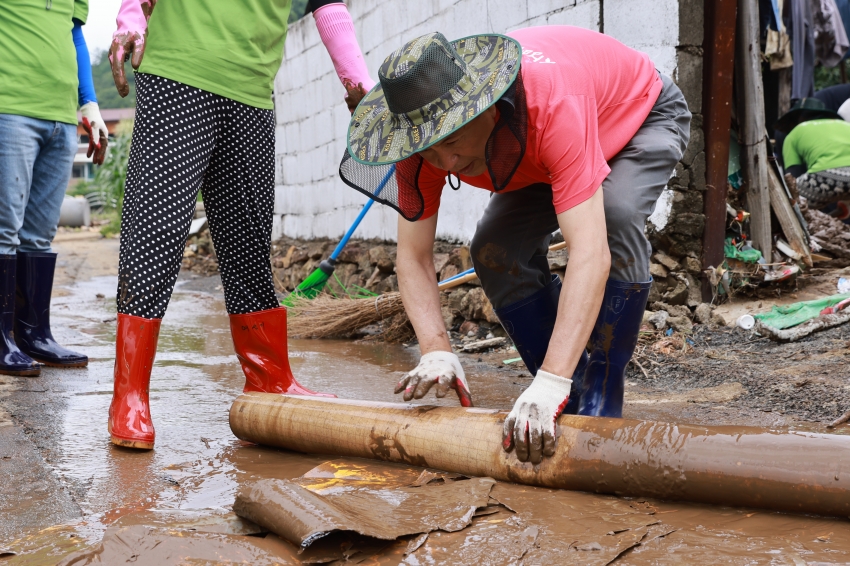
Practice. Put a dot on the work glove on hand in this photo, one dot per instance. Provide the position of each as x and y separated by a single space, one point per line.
530 426
128 41
440 368
96 129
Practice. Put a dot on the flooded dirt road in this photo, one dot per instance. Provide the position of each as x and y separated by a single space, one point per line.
65 487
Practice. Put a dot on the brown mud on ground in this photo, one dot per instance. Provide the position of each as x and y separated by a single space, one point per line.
65 488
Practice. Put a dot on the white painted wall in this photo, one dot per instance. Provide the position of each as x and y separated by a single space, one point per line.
310 200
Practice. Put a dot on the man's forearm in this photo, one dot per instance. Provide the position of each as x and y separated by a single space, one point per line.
583 228
417 282
578 308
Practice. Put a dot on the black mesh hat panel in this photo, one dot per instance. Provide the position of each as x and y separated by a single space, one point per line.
506 145
395 185
425 81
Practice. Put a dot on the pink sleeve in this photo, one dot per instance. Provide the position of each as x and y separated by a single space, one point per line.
570 151
130 18
337 32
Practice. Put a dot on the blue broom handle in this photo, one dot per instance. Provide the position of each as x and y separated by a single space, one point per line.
360 216
458 276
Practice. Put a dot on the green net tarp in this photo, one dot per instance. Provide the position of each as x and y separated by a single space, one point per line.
791 315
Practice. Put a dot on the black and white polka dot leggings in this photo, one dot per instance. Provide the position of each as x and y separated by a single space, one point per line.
184 140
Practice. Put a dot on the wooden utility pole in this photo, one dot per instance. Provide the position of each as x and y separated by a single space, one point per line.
751 121
718 69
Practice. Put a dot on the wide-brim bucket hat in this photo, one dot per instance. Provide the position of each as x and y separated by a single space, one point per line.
804 110
427 89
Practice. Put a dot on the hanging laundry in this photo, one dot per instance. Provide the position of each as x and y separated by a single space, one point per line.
777 47
844 10
831 41
803 48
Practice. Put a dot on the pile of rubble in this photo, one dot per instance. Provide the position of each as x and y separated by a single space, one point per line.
199 255
831 235
369 266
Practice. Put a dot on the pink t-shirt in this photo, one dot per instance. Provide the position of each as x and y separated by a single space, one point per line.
587 95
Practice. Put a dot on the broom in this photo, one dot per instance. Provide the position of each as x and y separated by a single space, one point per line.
327 316
316 281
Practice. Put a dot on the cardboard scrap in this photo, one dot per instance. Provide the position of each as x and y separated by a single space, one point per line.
305 510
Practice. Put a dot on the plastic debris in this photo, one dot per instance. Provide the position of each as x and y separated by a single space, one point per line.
781 273
843 285
741 252
786 316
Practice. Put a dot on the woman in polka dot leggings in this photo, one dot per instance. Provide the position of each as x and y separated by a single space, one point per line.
205 121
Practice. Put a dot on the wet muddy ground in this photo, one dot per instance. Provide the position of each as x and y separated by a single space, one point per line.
65 488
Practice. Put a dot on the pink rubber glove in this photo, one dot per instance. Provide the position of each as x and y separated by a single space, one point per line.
129 39
337 32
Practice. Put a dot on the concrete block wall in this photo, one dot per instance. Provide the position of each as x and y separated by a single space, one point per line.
310 199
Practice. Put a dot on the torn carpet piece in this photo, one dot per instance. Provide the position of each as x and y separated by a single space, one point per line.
142 545
303 514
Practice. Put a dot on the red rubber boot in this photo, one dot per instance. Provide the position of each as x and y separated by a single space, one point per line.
130 423
260 342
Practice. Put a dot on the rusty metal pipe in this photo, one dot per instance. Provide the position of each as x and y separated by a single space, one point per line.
741 466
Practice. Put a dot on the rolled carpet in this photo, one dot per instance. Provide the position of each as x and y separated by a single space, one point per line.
800 472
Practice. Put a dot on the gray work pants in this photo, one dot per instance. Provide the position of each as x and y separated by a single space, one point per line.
511 240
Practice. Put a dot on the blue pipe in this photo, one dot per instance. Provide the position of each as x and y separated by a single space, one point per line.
458 276
360 216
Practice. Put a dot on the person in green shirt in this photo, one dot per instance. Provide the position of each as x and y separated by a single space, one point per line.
816 153
45 74
205 122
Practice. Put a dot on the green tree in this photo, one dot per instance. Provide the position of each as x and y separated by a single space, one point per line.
106 190
104 85
825 77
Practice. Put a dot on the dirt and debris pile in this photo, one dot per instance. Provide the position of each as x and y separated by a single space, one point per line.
370 265
831 234
199 255
675 281
744 370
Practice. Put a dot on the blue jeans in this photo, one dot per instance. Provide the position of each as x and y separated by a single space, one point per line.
36 157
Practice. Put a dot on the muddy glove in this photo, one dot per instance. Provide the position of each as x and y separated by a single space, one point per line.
128 41
96 129
530 426
442 368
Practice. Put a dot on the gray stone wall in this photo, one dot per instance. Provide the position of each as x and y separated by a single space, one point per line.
677 233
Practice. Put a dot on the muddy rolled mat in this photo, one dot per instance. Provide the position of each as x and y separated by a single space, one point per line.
741 466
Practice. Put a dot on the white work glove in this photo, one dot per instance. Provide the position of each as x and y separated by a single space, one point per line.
441 368
96 129
530 426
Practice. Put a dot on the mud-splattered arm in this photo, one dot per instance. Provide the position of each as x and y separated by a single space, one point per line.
128 41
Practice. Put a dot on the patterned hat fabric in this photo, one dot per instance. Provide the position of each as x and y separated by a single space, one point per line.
428 89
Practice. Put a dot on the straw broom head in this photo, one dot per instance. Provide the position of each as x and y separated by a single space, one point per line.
327 316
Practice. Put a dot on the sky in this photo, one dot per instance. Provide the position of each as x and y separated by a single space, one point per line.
100 24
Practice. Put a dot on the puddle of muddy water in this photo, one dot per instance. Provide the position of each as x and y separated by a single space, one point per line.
189 481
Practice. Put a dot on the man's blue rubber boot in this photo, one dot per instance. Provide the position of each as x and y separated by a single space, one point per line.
12 360
32 312
612 344
529 322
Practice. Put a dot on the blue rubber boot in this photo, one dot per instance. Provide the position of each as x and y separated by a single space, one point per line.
12 360
612 344
529 322
32 313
